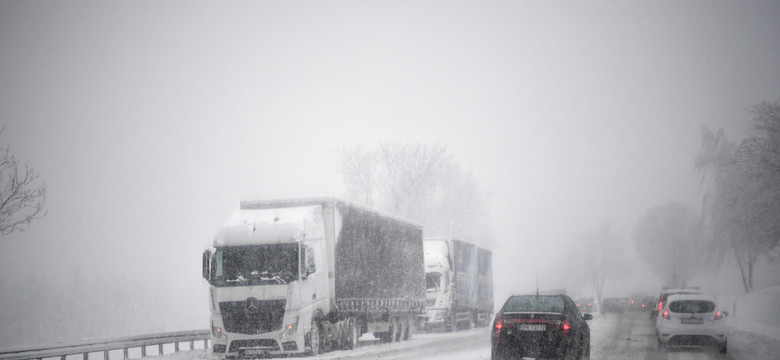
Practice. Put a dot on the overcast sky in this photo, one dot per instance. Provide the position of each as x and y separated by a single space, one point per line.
150 120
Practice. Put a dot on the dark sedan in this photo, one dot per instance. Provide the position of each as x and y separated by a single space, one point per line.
540 326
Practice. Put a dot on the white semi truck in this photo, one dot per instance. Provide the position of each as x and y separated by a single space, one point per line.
303 276
459 285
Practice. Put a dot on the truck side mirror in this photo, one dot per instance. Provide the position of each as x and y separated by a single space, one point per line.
309 267
207 265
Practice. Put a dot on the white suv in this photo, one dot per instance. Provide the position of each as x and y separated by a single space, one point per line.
691 321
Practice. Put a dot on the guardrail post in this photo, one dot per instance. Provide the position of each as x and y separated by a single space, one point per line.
105 355
176 346
143 350
124 354
85 356
159 346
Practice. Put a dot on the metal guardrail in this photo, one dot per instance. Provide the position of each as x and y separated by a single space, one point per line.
86 347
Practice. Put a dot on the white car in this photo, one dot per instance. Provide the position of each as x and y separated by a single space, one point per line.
691 320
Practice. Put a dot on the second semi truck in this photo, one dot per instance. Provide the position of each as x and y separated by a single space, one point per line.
459 285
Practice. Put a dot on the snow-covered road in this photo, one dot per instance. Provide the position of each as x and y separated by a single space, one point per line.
613 337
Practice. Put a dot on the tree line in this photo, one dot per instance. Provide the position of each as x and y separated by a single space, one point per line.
739 217
740 209
420 182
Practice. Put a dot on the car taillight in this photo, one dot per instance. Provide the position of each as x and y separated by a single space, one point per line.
566 326
499 325
660 305
718 315
666 315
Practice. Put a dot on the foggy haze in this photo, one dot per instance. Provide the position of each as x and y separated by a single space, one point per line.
150 121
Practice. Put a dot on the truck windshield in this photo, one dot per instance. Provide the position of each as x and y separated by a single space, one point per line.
432 281
255 265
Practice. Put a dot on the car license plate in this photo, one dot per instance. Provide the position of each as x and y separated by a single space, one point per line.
693 321
255 352
532 327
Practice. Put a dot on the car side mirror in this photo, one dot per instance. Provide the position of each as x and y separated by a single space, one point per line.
587 317
725 313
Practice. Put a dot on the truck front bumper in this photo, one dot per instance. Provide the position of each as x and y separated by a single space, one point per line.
433 321
272 344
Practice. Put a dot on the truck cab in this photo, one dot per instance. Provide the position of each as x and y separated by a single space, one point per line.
438 284
267 282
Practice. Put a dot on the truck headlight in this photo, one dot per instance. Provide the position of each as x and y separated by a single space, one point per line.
441 315
290 329
216 331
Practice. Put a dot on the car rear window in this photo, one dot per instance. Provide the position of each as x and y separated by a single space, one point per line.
692 306
534 303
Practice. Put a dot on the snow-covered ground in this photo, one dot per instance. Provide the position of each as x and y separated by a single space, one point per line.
613 337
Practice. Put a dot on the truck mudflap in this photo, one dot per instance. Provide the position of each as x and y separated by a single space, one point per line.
381 305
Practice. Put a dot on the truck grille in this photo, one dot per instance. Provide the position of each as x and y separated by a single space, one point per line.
252 316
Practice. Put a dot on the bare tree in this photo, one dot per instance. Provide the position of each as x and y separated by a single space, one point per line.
669 238
606 257
359 171
742 204
22 197
418 181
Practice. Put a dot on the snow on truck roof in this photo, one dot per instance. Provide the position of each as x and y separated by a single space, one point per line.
321 201
273 225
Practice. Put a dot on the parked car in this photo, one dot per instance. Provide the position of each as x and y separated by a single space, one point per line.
666 292
540 326
691 321
611 305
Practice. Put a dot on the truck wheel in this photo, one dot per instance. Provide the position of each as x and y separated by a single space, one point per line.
407 329
395 331
313 340
353 335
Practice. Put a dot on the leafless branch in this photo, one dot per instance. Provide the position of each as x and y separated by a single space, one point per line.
22 196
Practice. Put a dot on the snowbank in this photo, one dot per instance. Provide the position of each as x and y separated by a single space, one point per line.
757 312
